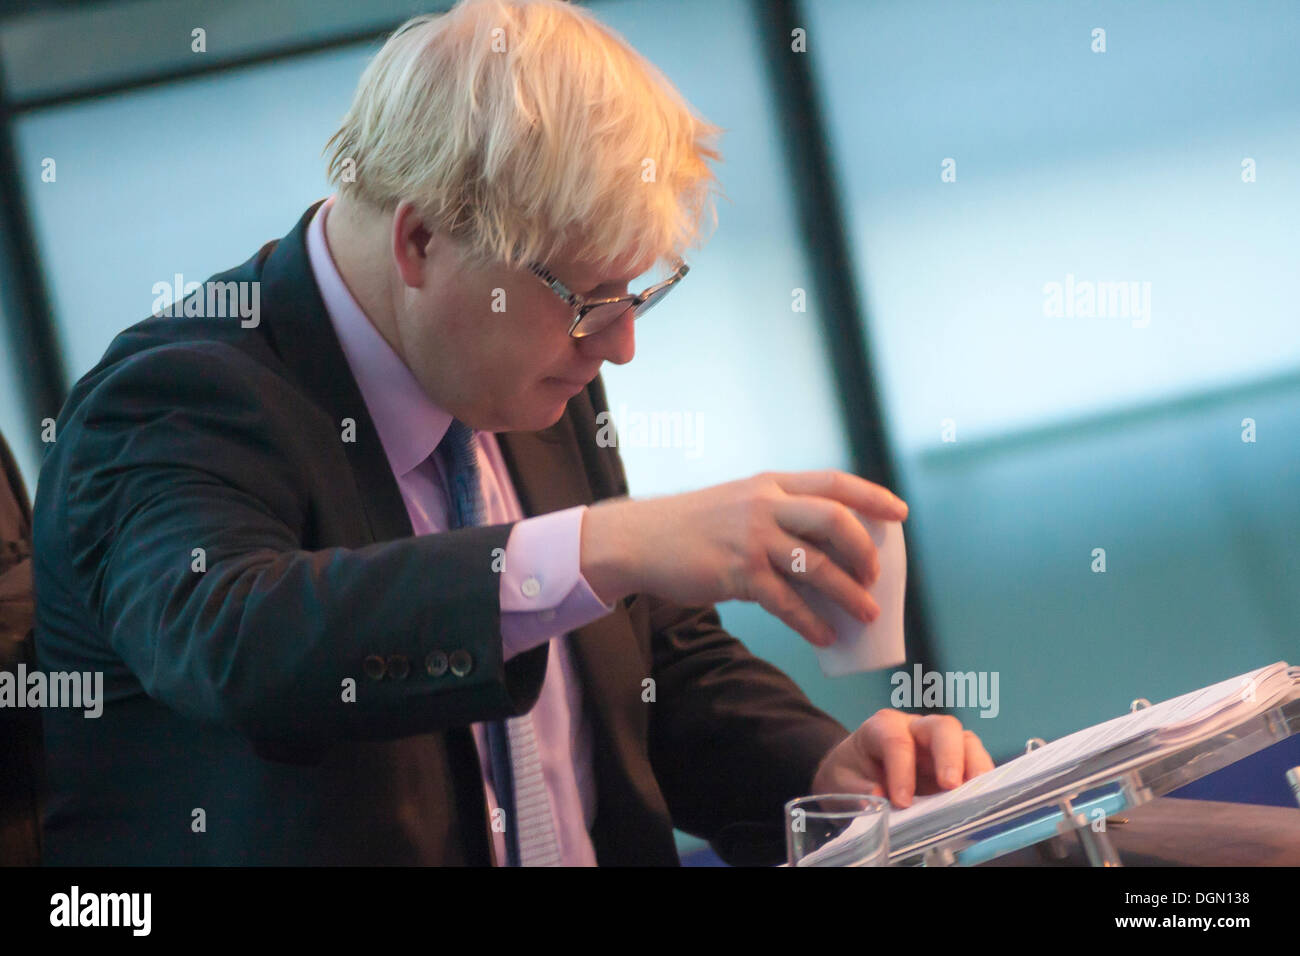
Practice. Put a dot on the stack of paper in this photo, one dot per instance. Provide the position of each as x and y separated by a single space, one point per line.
1149 731
1173 723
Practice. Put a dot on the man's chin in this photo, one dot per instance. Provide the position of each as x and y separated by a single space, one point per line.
542 415
559 413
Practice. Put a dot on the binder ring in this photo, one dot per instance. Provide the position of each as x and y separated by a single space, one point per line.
1033 743
1140 704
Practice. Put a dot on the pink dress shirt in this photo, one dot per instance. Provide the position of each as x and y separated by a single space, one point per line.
543 593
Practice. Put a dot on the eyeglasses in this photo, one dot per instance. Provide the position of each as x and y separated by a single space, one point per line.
592 315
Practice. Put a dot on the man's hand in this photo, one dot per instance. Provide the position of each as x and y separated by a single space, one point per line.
902 754
737 541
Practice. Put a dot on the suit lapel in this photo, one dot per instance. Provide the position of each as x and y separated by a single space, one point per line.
545 468
304 338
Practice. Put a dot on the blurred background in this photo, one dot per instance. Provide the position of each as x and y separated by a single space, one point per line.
904 183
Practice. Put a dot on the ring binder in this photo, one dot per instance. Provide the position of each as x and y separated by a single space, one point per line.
1074 802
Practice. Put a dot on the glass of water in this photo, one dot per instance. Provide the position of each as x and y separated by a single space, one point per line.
837 829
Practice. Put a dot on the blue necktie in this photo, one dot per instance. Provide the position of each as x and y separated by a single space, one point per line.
530 814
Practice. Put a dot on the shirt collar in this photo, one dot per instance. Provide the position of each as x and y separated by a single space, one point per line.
410 425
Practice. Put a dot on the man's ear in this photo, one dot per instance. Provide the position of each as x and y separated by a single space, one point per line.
413 244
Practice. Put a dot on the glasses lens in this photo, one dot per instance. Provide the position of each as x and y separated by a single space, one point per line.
599 318
653 299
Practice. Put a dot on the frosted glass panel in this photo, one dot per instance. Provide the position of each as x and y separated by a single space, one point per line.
1032 425
726 348
1075 168
190 178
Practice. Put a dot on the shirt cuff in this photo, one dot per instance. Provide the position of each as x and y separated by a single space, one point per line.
543 592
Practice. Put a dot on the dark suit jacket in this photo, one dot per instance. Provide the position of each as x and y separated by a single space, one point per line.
226 738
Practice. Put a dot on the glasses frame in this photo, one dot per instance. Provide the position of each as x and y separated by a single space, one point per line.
582 306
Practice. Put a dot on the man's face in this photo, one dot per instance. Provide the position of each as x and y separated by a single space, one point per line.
491 345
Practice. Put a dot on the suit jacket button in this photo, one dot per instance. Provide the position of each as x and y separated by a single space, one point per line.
461 662
374 666
398 667
436 664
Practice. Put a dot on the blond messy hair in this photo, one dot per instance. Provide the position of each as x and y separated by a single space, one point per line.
567 140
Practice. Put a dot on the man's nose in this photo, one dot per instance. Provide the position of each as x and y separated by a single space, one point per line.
615 343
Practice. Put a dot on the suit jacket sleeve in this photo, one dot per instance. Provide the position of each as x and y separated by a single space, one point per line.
201 447
732 738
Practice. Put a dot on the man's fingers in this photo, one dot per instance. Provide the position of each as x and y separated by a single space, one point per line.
891 739
978 760
829 523
888 739
777 597
862 496
944 738
824 574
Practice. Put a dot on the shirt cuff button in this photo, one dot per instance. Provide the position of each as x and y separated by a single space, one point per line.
436 663
461 662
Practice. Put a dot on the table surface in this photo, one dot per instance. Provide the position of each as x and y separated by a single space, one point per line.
1173 832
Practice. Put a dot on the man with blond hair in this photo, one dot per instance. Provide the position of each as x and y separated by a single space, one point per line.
364 586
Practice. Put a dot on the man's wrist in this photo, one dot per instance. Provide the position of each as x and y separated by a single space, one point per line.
603 551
